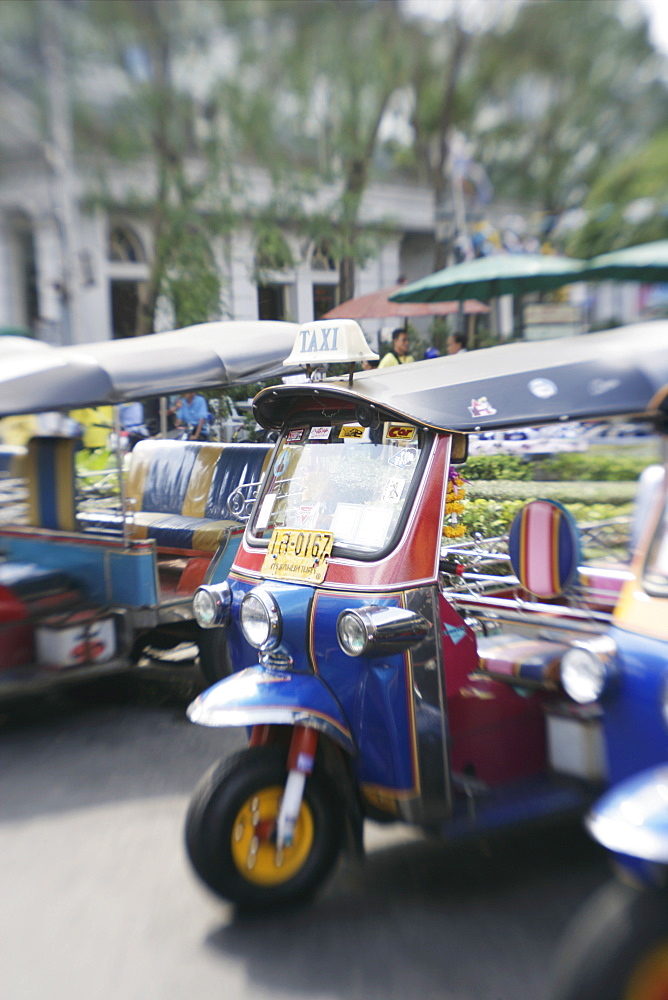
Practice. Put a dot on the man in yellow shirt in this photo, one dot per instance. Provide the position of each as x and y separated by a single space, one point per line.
399 354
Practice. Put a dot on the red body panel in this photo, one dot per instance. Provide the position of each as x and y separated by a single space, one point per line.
496 734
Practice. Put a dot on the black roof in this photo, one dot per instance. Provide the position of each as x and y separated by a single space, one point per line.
596 375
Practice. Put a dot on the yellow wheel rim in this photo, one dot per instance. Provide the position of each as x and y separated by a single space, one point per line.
649 980
253 847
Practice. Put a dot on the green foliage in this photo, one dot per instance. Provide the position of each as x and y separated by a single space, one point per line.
272 252
628 203
615 493
190 279
560 107
592 466
497 467
493 517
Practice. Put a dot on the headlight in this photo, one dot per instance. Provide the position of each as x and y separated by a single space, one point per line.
352 633
373 631
211 605
260 619
587 668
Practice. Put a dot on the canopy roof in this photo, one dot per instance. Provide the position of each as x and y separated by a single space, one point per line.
197 357
379 305
646 262
624 371
488 277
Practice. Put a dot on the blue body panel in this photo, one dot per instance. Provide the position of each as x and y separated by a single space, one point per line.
374 695
122 577
631 820
256 695
636 735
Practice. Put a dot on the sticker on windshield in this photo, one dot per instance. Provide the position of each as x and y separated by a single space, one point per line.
367 527
400 432
282 464
265 510
481 407
351 431
403 458
294 436
319 433
393 490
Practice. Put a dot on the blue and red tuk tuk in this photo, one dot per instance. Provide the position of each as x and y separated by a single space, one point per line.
382 671
89 578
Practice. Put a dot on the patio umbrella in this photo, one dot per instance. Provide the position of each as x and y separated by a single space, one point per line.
489 277
646 262
378 305
117 371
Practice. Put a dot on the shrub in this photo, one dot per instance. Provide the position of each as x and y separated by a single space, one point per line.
497 467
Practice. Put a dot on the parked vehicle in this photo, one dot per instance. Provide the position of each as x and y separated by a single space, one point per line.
617 946
384 673
91 574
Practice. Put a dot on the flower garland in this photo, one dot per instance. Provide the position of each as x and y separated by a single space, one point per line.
454 505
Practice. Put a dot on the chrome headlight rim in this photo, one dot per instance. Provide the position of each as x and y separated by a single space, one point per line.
380 630
211 604
587 669
359 620
272 618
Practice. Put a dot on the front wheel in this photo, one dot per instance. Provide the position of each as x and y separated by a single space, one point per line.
230 831
617 949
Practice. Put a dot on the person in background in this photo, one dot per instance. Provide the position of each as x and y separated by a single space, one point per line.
399 354
431 352
94 423
456 343
131 416
368 366
192 415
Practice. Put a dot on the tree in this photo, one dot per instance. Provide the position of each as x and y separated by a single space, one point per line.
153 123
628 204
340 64
570 87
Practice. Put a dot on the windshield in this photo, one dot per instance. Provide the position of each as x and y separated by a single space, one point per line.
350 480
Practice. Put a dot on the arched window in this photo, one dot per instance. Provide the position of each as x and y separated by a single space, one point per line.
321 257
125 247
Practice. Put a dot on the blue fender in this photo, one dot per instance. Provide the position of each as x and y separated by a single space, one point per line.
257 696
631 819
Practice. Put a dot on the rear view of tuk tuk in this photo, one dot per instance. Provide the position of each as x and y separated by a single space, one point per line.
384 674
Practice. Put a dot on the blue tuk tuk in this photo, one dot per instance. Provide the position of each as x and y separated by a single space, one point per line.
380 669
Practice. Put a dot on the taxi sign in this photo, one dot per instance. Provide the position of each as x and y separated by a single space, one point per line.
328 342
293 554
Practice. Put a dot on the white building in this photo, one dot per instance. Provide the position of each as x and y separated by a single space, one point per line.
108 255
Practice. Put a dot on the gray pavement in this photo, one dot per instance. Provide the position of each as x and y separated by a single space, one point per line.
99 903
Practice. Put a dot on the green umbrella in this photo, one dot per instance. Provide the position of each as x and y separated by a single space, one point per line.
646 262
489 277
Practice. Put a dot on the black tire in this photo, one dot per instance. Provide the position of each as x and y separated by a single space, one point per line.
216 814
617 948
214 654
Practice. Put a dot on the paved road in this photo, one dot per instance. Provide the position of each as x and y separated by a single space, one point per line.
98 901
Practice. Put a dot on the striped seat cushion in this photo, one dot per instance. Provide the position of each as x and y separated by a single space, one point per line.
514 657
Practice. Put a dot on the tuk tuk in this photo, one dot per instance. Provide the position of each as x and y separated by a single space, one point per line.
90 577
380 670
616 947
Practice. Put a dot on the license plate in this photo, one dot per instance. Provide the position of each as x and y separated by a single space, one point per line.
298 555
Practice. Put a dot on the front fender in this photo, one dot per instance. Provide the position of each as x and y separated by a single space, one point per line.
257 696
632 818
